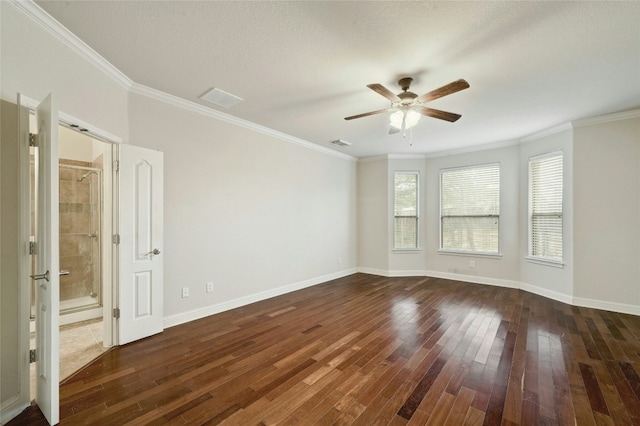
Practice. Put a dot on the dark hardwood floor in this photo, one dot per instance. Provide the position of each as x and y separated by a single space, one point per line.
369 350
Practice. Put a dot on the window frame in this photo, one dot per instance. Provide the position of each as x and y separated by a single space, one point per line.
544 260
466 252
417 247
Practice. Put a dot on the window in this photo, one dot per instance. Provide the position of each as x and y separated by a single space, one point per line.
470 209
405 210
545 207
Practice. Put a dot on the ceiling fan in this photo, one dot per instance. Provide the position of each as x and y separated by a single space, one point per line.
407 107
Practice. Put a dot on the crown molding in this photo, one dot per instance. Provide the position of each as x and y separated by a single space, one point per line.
384 157
468 150
47 22
547 132
373 159
624 115
406 156
212 113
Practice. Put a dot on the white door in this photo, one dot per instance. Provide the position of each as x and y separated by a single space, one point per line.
140 222
47 263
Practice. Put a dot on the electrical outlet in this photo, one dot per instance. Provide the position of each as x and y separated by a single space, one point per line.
339 259
185 292
472 264
209 287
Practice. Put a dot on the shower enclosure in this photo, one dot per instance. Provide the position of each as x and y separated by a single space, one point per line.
80 234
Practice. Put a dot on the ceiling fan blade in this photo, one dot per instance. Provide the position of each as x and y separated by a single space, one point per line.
393 130
366 114
442 115
379 88
448 89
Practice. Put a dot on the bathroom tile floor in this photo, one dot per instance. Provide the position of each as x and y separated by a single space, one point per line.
80 343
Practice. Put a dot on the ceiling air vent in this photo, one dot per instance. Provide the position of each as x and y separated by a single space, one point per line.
340 142
221 98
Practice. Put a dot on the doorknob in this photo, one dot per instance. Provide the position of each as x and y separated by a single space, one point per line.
64 272
154 252
44 276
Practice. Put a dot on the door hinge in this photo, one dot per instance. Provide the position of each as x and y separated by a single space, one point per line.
32 247
32 356
116 165
33 139
116 313
116 239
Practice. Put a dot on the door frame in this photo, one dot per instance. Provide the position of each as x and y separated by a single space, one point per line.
24 226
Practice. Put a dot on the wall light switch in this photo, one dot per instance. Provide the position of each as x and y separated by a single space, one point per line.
185 292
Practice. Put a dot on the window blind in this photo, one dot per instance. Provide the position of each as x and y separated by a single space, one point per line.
470 209
405 207
545 207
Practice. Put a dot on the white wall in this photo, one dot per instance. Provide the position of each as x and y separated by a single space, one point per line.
9 294
246 211
373 211
607 212
544 279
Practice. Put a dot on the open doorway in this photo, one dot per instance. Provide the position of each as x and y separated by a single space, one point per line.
85 223
131 241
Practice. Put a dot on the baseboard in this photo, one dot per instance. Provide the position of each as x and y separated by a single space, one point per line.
11 408
393 273
371 271
206 311
498 282
607 306
407 273
540 291
550 294
445 275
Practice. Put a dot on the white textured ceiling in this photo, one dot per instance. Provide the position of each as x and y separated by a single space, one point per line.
302 66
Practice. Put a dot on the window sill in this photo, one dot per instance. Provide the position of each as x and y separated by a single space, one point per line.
470 254
545 262
406 251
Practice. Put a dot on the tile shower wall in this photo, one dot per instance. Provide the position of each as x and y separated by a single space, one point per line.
79 242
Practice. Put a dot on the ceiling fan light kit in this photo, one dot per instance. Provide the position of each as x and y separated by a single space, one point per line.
407 107
404 119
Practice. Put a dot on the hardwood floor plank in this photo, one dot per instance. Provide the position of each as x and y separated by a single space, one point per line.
411 404
442 410
368 350
474 417
596 399
460 407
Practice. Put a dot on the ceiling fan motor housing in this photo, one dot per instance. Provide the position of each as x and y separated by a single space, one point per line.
406 97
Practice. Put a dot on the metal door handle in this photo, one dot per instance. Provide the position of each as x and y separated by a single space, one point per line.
155 251
64 272
44 276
